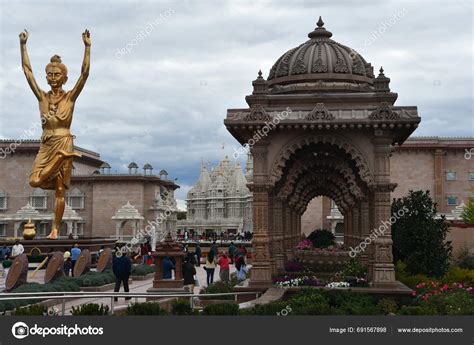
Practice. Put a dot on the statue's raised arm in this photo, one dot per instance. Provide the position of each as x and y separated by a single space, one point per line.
25 63
86 38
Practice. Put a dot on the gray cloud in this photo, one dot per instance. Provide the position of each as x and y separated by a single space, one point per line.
164 102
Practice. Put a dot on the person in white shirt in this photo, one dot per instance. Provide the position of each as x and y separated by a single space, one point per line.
17 249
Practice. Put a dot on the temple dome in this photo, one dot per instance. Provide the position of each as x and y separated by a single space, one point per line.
320 60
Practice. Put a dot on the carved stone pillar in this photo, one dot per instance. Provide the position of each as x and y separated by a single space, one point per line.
383 269
272 236
370 248
364 229
348 228
278 238
261 274
355 227
287 231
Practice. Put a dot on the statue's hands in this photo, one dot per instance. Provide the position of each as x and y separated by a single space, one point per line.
23 37
86 37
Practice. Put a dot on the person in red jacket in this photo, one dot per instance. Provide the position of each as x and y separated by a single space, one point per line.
224 263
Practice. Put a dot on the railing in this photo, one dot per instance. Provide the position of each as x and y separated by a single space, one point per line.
63 296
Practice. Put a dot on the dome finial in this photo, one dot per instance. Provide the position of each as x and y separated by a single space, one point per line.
381 70
320 22
260 73
320 31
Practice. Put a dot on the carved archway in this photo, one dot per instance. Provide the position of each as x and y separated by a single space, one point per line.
343 143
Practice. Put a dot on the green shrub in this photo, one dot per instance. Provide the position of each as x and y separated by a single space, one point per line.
456 303
91 309
181 307
386 306
62 284
221 309
272 308
419 236
217 287
408 279
95 279
468 213
354 268
142 270
459 275
322 238
417 310
35 309
149 308
310 302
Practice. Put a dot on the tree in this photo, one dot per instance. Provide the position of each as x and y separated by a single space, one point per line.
468 213
419 237
322 238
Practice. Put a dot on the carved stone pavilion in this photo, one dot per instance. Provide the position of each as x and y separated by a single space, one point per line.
335 140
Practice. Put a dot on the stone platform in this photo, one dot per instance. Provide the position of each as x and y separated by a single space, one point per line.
37 247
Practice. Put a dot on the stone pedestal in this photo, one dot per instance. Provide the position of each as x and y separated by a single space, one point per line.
168 248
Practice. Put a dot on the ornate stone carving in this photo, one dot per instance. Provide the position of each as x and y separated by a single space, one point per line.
257 113
384 112
282 157
319 112
299 66
283 69
358 67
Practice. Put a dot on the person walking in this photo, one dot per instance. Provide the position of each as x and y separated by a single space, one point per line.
224 262
67 263
198 253
232 252
241 268
168 267
4 253
214 248
122 267
75 252
210 267
188 273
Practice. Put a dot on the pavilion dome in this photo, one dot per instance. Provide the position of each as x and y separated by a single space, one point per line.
320 60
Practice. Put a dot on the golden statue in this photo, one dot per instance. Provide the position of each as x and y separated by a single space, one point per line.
53 164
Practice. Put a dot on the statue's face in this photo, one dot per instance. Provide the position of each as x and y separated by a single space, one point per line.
55 76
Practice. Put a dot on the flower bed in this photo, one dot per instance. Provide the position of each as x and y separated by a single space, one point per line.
294 280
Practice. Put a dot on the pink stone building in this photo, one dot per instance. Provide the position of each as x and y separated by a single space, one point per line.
99 203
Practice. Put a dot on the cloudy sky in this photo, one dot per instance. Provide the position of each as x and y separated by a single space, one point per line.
164 73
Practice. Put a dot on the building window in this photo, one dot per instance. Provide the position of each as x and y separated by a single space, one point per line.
452 201
39 199
3 200
75 199
43 229
451 176
471 175
3 230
